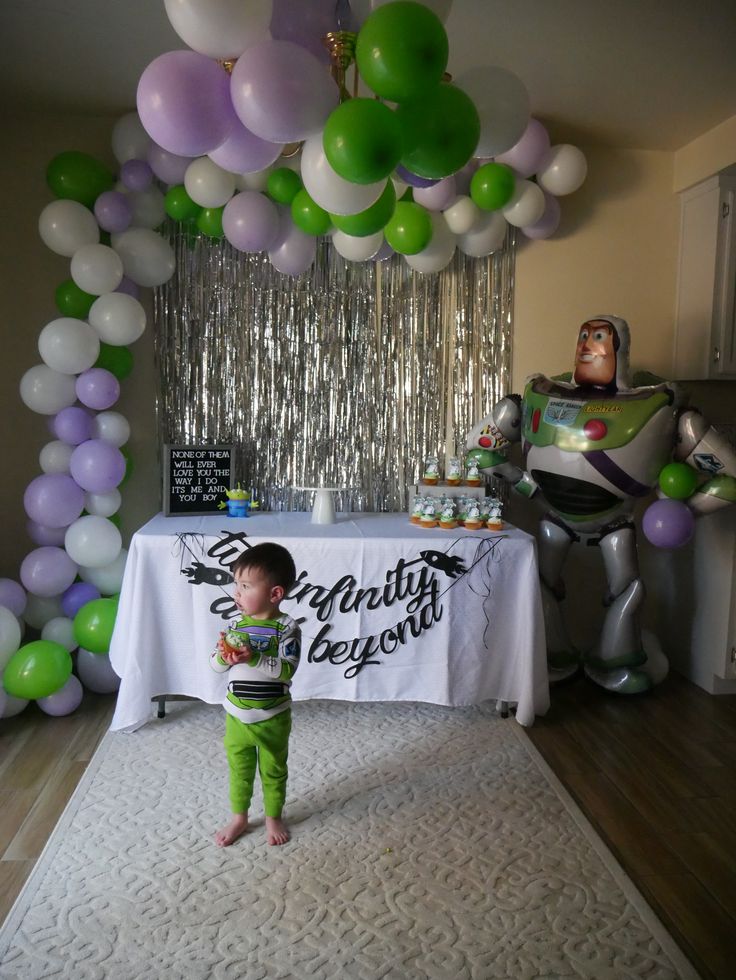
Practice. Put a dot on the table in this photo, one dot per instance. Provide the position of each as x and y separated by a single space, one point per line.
390 611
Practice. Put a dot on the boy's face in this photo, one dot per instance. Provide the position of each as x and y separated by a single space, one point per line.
255 595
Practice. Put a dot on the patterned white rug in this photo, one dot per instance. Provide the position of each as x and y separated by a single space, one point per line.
428 842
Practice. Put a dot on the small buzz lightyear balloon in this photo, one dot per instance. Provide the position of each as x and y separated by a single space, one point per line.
593 447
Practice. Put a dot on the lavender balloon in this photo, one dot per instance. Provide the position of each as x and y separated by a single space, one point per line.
281 92
136 175
526 155
47 571
65 700
184 103
97 466
77 595
53 500
668 523
250 221
128 287
168 167
42 535
304 23
295 252
414 180
72 425
12 596
549 222
97 388
245 153
437 197
113 211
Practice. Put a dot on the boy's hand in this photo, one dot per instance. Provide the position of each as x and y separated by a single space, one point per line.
231 656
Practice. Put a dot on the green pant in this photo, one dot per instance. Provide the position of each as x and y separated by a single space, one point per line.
264 744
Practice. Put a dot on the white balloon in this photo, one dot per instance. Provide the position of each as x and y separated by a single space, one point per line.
47 391
130 141
112 427
60 630
108 578
462 215
503 106
220 28
207 184
40 609
147 258
54 457
68 345
103 504
562 169
118 318
257 181
357 249
440 250
328 189
13 706
527 204
486 236
148 207
64 226
92 541
10 635
96 673
97 269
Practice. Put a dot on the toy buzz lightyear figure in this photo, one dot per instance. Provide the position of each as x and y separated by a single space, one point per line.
591 449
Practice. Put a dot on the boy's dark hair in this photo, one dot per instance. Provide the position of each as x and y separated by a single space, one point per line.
273 560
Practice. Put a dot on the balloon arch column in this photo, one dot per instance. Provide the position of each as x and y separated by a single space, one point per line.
245 135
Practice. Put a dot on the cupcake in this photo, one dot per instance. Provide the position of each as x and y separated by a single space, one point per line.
472 477
454 473
472 518
447 516
495 521
429 514
431 471
416 510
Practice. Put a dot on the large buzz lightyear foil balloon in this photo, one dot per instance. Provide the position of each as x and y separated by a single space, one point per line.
591 449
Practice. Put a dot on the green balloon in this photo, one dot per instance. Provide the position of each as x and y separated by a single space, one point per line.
179 205
308 215
209 222
492 186
362 140
409 229
37 669
283 185
371 220
78 177
73 301
402 50
115 519
440 131
116 360
678 480
94 623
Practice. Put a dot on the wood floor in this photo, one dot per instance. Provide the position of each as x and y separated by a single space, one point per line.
655 774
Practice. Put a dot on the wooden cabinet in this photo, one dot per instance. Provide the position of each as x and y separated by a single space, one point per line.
705 331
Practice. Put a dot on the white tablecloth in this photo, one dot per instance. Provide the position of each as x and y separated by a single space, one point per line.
390 611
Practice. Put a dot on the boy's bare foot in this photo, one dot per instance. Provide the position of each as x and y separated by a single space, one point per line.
276 831
231 831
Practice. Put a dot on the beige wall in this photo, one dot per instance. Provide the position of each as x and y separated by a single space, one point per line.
615 252
29 274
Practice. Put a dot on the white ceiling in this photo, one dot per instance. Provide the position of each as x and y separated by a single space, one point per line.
652 74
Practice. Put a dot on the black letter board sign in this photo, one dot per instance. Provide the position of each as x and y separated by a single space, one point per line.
196 478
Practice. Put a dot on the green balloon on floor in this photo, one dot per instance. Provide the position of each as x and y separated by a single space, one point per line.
36 670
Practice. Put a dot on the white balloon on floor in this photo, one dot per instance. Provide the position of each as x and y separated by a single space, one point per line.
95 672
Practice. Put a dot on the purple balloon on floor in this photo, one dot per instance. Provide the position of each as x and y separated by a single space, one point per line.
65 700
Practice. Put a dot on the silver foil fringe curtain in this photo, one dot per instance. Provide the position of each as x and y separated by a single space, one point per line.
346 376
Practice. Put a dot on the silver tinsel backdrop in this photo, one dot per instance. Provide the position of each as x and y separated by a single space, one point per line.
347 376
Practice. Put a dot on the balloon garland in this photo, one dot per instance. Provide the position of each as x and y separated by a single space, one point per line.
244 135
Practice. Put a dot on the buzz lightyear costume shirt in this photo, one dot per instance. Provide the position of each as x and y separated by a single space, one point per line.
260 690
